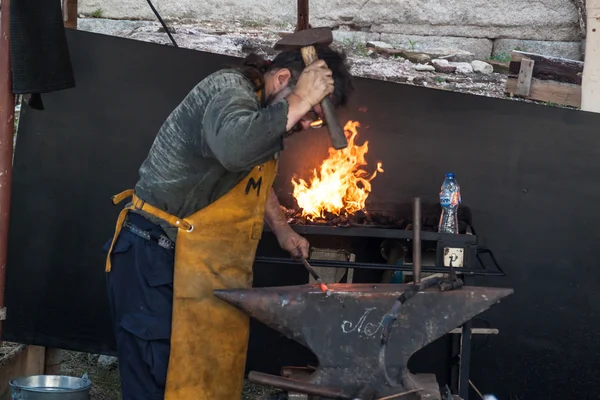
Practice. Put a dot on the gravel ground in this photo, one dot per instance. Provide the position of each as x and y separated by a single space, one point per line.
106 383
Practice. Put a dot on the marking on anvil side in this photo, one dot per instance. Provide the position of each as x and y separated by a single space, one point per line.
369 329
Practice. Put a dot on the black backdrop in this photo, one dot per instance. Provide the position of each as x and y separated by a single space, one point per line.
528 173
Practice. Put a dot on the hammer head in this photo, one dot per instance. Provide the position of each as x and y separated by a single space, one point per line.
305 38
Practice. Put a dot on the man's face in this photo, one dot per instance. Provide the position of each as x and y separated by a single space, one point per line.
312 119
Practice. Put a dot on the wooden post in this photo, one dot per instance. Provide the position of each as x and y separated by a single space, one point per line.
69 8
524 79
590 93
7 130
53 360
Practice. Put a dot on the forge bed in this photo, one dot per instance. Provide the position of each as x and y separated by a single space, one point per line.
529 174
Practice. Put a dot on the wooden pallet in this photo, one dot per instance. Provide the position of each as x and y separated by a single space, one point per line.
542 78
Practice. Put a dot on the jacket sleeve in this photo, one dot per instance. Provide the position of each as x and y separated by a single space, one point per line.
239 133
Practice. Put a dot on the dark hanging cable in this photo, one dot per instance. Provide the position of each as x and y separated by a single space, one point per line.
162 23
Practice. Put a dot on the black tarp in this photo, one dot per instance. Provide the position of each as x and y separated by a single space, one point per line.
528 172
38 48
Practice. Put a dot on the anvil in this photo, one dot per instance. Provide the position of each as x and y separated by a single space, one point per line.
344 330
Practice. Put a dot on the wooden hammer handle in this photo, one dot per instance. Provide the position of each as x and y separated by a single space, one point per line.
336 132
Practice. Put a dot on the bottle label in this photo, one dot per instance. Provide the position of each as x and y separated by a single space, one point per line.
445 200
450 199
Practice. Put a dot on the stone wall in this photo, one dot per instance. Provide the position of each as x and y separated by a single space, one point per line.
483 27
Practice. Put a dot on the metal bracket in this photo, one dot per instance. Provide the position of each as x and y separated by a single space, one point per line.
454 256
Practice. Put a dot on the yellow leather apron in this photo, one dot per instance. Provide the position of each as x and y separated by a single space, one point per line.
215 249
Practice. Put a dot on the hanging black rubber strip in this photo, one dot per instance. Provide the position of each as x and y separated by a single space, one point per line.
162 23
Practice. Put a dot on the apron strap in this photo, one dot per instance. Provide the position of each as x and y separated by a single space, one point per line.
139 204
118 198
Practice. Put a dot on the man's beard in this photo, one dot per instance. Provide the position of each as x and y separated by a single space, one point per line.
283 93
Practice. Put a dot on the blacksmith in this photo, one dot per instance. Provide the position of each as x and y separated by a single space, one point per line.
194 221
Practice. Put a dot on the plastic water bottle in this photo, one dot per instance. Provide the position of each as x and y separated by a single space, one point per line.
449 200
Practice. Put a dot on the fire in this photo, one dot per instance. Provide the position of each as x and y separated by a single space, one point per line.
341 186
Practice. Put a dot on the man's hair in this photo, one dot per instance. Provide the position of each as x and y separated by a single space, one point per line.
255 67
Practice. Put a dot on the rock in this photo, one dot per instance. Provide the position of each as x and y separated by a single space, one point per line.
107 362
424 68
482 67
460 56
378 44
118 9
419 80
440 61
453 55
372 54
499 66
568 50
110 27
417 58
443 66
354 37
463 68
171 29
382 69
464 49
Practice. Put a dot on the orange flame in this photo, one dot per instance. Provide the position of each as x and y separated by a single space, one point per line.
341 185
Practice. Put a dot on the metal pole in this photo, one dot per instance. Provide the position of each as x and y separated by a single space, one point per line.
7 129
416 256
302 22
69 8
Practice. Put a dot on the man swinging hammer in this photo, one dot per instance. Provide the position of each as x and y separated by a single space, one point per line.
194 221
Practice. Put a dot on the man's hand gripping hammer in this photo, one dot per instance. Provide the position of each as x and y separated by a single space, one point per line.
306 40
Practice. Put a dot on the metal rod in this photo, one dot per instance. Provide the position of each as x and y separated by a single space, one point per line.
378 232
302 22
165 27
7 129
70 13
464 374
416 240
316 276
343 264
296 386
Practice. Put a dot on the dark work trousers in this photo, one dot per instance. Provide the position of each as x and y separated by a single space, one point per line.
140 292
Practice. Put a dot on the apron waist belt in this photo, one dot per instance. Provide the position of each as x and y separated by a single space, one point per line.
139 204
162 240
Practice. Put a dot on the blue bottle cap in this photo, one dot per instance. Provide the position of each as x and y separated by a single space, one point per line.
450 175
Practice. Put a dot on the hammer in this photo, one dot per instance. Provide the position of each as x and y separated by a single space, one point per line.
306 40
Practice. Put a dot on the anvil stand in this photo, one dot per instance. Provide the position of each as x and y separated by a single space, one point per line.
362 350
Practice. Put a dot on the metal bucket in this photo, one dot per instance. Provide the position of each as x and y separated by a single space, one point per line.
50 387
